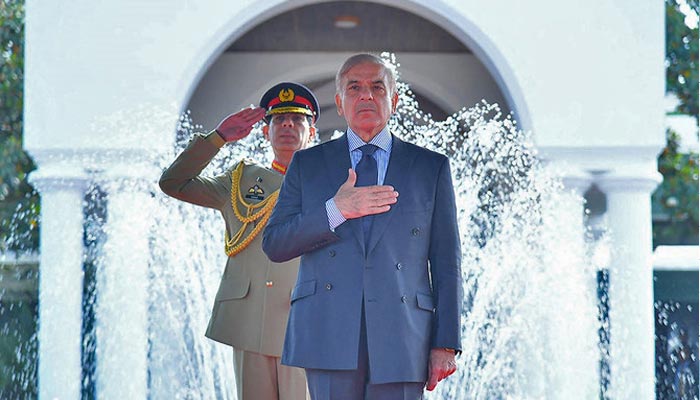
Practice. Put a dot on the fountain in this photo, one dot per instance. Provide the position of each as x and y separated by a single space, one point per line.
530 328
531 322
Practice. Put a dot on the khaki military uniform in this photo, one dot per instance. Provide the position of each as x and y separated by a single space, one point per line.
252 304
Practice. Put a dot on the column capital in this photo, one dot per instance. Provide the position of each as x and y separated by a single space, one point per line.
131 177
58 169
572 176
621 182
577 180
58 178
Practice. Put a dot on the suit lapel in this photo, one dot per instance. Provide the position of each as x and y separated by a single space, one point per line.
399 163
337 159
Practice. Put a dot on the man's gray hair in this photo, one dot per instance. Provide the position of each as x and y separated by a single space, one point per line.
366 58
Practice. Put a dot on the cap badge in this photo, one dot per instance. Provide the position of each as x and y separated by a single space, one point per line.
286 95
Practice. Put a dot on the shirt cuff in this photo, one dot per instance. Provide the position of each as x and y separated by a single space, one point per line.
214 138
335 217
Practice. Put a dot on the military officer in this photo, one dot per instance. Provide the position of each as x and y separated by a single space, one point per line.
252 304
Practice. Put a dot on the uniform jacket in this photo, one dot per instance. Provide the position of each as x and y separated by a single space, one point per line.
408 277
252 304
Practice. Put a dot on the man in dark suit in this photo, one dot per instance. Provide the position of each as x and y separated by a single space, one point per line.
376 309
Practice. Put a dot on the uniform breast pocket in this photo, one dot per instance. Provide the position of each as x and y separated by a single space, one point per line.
233 289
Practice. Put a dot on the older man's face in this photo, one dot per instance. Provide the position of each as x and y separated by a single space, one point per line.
366 101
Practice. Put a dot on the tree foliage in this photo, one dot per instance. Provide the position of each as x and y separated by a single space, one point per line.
19 210
675 202
682 58
19 202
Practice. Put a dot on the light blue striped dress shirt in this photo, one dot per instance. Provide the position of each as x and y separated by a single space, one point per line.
381 140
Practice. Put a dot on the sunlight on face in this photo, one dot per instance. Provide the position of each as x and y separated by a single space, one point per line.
366 100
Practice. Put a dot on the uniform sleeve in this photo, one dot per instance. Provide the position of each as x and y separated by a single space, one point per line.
182 181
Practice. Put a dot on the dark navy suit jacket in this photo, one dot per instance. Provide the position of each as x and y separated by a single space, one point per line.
408 276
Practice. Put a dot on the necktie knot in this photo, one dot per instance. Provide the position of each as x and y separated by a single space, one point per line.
368 149
366 168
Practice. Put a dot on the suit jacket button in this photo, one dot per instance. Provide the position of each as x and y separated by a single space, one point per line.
403 299
399 266
415 231
331 253
329 286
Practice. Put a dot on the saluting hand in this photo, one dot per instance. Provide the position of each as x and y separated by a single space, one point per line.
238 125
442 364
356 202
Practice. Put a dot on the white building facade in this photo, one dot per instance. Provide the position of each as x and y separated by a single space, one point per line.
586 77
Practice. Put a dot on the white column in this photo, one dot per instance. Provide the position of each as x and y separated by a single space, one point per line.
572 280
630 294
60 281
122 282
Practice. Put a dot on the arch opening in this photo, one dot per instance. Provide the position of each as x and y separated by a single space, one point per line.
448 64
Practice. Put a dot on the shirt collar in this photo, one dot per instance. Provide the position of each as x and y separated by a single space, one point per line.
381 140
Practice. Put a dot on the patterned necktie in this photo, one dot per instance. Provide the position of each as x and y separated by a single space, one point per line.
366 171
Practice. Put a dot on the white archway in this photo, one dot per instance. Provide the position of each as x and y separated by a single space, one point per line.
438 13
